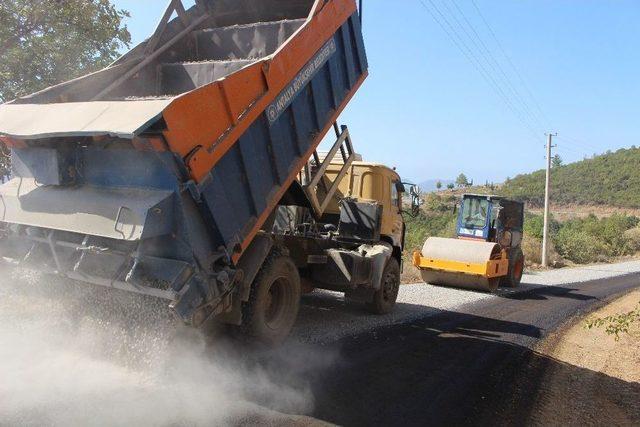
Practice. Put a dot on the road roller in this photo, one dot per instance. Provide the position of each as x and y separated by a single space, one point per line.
487 252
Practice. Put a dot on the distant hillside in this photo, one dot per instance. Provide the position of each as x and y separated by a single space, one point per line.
609 179
430 184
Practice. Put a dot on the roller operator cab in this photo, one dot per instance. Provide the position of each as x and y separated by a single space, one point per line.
487 252
492 219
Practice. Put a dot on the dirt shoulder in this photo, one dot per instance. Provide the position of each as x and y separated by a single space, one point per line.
597 379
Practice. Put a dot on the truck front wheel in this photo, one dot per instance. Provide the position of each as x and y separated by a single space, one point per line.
384 299
271 311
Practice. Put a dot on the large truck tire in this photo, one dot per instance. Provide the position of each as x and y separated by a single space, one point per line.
516 268
274 301
384 299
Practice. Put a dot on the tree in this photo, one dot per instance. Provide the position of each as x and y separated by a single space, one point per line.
462 181
450 186
44 42
556 161
438 185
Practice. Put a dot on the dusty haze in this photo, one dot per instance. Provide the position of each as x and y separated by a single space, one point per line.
75 355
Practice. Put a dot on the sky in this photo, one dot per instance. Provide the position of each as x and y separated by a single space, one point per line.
451 92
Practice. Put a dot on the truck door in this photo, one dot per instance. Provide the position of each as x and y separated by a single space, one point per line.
395 212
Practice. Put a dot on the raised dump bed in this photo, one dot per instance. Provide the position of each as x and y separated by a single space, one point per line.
155 174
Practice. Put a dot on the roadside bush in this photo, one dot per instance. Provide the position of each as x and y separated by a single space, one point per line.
426 225
532 250
533 225
579 246
616 324
603 238
439 203
633 239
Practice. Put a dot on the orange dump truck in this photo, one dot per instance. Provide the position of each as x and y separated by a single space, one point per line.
166 173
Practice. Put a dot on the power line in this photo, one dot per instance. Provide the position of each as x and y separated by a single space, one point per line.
579 144
490 58
513 65
468 53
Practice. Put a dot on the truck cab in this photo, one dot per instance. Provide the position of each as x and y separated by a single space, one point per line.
373 182
353 246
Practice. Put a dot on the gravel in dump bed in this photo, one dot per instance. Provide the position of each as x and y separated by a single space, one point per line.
325 316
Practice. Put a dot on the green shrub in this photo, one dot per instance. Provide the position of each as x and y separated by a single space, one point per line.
633 239
605 235
532 250
579 246
437 203
616 324
426 225
534 223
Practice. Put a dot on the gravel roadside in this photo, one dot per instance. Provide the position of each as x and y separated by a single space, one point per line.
326 316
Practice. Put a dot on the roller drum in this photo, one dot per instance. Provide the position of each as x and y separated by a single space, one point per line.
467 251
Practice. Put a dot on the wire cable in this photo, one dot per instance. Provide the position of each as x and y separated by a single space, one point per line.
468 53
490 59
513 65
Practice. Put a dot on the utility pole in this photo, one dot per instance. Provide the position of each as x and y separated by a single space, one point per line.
545 230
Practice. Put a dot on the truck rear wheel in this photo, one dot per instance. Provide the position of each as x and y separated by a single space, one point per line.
271 311
384 299
516 269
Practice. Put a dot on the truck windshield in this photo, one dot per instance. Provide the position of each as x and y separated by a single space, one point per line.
474 213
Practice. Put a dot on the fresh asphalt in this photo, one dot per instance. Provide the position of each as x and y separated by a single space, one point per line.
477 367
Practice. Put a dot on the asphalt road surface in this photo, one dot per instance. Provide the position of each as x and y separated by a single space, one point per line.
76 355
474 365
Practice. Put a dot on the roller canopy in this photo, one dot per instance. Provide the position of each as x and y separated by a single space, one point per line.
124 214
124 119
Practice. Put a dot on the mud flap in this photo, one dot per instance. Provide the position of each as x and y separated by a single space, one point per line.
249 265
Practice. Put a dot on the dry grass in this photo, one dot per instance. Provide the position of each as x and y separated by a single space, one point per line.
532 249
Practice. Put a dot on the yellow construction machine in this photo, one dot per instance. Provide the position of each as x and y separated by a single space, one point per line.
487 252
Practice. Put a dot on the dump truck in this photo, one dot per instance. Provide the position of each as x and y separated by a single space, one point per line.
188 169
487 253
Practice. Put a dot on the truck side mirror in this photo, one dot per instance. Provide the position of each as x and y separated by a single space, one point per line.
414 190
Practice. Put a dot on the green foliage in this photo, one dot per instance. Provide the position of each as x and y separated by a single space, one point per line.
450 186
434 203
616 324
589 239
462 180
427 224
438 185
534 224
556 161
610 179
633 239
579 246
44 42
592 239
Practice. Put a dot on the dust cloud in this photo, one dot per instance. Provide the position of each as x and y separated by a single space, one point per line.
74 355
